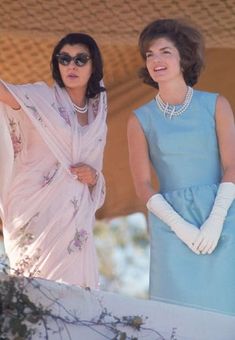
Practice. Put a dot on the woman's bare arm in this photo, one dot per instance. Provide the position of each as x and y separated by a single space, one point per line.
7 98
211 229
139 160
226 138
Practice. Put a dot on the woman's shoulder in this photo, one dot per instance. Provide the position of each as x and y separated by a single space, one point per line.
206 95
145 108
144 114
39 85
208 101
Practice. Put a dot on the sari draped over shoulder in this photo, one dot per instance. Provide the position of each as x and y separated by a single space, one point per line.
47 214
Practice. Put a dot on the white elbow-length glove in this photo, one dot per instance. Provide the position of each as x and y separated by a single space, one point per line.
184 230
212 228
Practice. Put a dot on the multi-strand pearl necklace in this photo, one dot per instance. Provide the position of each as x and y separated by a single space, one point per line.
80 109
170 110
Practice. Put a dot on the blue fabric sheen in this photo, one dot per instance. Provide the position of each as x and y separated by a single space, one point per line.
184 153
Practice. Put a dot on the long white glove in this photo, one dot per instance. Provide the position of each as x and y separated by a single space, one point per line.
186 231
212 228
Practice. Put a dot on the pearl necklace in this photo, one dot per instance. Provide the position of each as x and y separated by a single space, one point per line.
80 109
170 110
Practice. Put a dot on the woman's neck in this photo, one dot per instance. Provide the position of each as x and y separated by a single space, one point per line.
78 96
173 93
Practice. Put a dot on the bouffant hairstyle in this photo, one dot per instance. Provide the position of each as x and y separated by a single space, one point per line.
187 39
93 87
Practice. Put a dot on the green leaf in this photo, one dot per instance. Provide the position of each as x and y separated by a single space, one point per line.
15 325
23 331
122 336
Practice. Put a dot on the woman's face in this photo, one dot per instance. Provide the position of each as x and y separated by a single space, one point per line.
73 75
163 61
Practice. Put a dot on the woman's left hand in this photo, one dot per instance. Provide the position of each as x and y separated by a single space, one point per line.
84 173
209 235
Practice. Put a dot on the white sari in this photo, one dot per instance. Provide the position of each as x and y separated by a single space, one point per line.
47 214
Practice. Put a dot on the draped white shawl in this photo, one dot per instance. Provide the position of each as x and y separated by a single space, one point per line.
48 215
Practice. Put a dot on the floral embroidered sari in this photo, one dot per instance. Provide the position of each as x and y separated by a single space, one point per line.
47 214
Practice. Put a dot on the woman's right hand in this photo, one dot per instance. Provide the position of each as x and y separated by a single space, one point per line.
184 230
85 173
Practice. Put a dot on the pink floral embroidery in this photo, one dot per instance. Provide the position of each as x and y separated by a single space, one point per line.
48 178
26 237
25 263
95 105
35 112
77 243
16 138
75 204
64 114
105 104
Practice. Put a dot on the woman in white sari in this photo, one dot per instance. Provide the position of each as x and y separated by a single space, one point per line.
51 184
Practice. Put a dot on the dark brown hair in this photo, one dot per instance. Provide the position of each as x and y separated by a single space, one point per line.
187 39
93 87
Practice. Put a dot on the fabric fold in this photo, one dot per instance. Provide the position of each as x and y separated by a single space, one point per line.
48 215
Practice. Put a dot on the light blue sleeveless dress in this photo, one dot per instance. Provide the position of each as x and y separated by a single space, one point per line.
184 153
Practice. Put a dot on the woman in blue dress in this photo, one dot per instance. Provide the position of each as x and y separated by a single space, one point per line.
188 137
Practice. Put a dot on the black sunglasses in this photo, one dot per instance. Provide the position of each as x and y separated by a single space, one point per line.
79 60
